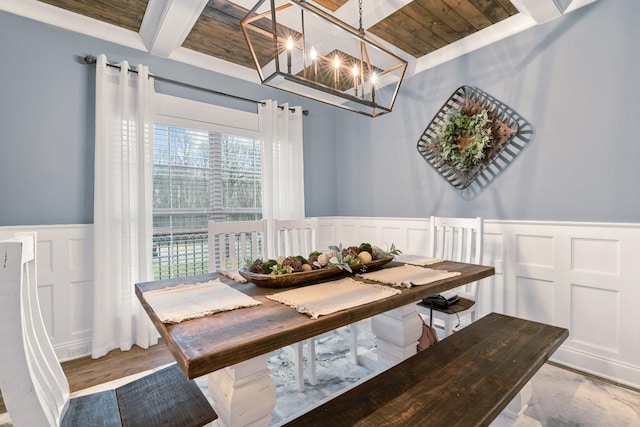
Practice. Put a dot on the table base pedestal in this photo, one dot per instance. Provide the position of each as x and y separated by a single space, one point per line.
397 332
515 409
234 390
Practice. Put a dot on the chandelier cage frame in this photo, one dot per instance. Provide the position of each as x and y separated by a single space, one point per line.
364 77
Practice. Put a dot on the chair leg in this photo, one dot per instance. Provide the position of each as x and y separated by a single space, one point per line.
448 327
311 360
353 342
298 364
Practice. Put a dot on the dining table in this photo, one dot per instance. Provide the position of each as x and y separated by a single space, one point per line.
232 347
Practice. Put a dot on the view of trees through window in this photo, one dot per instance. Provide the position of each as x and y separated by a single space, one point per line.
199 175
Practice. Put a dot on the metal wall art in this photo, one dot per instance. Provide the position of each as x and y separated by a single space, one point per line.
470 132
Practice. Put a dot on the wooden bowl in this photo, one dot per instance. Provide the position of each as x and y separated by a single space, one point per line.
293 279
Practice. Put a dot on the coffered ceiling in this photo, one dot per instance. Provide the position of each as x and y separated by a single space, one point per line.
207 33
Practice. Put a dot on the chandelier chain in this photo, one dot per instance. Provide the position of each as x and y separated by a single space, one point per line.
360 13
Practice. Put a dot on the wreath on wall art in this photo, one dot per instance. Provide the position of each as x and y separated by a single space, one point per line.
464 138
466 135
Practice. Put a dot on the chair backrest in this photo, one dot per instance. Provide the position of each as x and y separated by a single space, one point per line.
457 239
231 243
33 384
296 236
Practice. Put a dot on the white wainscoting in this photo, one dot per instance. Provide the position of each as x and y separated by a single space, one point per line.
581 276
65 284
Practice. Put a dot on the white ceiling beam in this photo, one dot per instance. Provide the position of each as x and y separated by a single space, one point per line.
167 23
541 11
577 4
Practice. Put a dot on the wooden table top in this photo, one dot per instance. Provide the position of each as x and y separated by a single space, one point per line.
204 345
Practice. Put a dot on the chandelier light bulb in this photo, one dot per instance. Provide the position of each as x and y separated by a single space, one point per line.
355 73
336 75
374 79
314 56
289 49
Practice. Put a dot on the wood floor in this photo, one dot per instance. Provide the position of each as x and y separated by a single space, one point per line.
87 372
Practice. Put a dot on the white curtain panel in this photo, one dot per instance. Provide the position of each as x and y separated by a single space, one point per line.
122 206
280 129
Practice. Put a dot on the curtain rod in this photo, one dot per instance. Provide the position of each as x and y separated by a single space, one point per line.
91 60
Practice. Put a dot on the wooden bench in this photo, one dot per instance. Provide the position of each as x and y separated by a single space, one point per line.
464 380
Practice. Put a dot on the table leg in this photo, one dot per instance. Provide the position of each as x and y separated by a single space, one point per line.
397 332
243 394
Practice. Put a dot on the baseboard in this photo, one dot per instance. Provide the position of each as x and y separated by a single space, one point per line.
73 350
606 369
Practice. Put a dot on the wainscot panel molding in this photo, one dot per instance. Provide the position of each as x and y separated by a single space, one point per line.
65 284
581 276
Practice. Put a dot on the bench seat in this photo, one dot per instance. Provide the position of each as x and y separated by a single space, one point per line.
464 380
162 398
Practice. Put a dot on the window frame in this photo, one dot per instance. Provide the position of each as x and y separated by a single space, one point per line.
184 112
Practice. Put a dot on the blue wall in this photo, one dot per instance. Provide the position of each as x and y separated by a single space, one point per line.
47 98
574 79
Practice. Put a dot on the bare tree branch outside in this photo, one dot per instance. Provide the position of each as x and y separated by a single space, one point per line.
199 175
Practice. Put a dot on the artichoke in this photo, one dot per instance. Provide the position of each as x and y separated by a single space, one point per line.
292 262
313 259
365 247
351 251
266 266
256 267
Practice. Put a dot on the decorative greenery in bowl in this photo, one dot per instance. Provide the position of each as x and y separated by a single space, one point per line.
336 257
464 138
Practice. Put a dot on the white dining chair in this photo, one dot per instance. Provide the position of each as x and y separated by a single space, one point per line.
296 236
34 387
300 237
455 239
232 243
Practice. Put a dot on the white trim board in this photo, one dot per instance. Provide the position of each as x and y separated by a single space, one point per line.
65 284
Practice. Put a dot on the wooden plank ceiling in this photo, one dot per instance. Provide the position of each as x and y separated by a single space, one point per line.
418 28
122 13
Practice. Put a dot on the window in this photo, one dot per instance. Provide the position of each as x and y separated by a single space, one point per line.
203 169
